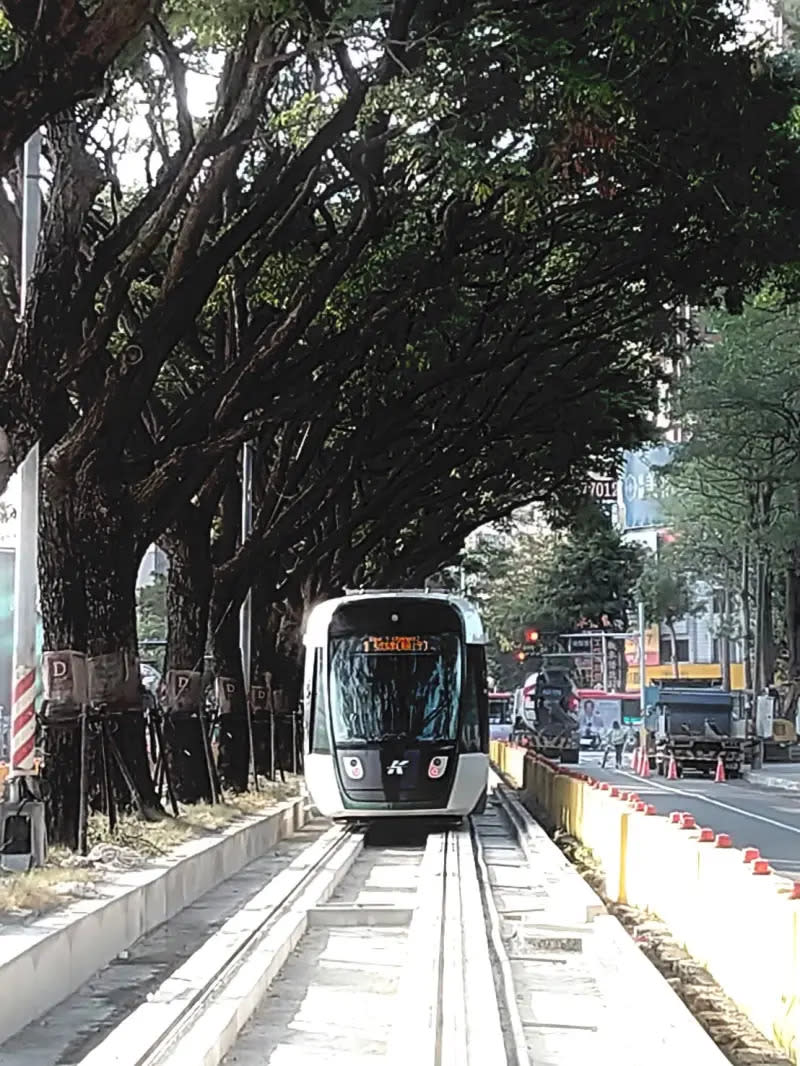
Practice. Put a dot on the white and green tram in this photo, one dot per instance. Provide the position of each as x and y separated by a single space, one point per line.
396 706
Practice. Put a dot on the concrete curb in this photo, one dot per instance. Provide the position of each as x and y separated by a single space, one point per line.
767 780
48 960
550 862
207 1039
580 900
698 889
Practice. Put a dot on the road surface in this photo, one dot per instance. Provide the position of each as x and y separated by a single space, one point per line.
753 816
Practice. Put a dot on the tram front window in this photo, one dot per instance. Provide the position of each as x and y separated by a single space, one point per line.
395 688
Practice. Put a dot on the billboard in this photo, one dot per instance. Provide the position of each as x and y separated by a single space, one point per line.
641 506
652 648
598 713
587 652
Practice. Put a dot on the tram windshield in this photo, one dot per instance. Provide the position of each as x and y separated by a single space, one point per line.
395 688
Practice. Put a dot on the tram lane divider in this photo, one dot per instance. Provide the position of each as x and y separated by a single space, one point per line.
48 959
723 904
213 1024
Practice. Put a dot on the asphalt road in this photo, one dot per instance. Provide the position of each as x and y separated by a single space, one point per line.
753 816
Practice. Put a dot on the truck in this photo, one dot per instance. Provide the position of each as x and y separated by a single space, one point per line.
548 705
696 726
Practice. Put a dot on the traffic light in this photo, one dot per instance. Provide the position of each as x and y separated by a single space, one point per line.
531 636
521 656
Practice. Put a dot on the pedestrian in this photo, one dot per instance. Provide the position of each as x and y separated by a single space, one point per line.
616 740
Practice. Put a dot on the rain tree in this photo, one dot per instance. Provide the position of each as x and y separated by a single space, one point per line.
735 483
381 200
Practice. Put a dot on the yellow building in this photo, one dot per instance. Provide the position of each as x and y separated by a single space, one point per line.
686 671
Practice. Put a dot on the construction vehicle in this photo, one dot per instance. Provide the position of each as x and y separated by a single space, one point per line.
695 726
548 704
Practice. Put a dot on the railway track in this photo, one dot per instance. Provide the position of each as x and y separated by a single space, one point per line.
383 944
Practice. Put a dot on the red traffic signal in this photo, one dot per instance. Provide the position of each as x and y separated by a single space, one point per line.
531 636
521 656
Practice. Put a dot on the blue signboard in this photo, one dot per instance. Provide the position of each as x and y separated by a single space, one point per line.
641 505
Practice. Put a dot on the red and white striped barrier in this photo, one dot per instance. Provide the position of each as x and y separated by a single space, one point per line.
23 722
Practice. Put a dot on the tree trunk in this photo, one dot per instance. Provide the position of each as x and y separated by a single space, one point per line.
233 723
792 622
747 621
764 655
188 750
673 647
87 577
725 636
767 641
266 623
289 675
226 600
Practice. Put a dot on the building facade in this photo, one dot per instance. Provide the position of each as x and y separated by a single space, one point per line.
641 519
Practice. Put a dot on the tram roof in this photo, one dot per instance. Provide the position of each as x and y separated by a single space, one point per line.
319 617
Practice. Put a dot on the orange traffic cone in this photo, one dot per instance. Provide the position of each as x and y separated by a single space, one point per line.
719 776
644 768
672 772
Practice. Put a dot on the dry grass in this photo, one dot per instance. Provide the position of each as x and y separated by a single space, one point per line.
67 876
153 839
42 890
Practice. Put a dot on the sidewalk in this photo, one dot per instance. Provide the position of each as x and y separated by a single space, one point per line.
587 992
776 775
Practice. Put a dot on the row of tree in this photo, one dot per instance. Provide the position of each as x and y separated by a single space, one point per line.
417 254
585 577
732 491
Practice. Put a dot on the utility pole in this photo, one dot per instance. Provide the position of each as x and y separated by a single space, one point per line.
246 612
642 678
758 679
642 658
23 714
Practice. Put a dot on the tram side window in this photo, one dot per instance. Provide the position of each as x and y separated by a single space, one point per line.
318 726
475 716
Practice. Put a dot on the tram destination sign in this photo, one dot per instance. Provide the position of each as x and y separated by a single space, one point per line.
395 645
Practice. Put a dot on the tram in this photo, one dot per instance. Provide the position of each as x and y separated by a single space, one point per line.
395 701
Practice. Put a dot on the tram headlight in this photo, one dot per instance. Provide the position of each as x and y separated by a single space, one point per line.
437 766
353 767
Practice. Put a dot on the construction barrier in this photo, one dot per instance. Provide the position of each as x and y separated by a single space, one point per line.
722 904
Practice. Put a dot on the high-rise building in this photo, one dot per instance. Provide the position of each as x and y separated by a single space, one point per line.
641 519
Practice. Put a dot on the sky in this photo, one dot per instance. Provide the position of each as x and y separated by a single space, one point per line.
761 15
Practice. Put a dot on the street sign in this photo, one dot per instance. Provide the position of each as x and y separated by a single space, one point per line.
603 489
